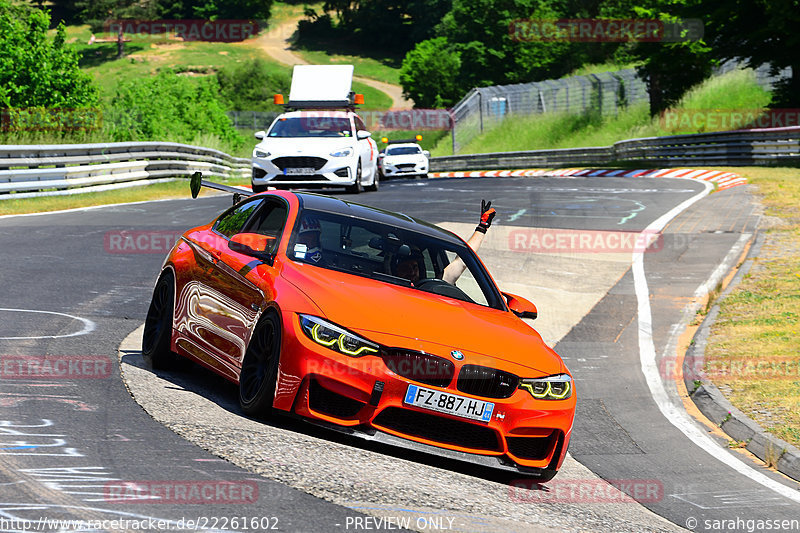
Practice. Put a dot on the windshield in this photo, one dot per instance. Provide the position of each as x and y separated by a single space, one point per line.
311 127
403 150
391 255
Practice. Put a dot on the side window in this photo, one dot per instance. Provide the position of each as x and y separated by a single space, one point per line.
359 123
232 221
467 283
269 221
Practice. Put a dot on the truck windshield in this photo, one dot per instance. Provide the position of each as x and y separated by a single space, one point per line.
311 127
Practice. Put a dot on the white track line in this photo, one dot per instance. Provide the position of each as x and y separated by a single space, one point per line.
88 325
677 416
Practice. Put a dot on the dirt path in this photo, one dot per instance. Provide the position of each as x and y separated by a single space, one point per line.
275 43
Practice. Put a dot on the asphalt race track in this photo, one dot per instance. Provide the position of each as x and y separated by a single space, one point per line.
74 446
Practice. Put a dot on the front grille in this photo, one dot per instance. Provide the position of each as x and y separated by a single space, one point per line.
486 382
314 177
333 404
299 162
438 429
406 166
422 367
532 448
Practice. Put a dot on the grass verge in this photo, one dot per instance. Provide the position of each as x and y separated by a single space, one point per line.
752 354
155 191
386 69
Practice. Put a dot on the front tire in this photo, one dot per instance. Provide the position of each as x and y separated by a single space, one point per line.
357 187
157 337
375 181
260 367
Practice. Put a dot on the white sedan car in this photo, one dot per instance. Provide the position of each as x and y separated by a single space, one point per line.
315 149
403 159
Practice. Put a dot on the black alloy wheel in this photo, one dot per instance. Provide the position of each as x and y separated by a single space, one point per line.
158 325
260 367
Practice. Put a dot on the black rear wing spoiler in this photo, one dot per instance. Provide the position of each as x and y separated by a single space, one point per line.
196 182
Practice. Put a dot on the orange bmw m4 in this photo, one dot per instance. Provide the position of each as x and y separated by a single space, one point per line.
339 313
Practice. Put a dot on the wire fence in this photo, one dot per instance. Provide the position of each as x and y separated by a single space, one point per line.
607 93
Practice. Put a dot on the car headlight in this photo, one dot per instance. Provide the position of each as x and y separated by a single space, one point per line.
336 338
557 387
342 153
260 153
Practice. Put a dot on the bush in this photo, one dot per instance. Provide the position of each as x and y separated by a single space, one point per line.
168 107
251 85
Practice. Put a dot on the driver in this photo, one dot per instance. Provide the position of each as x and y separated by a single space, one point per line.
307 245
408 267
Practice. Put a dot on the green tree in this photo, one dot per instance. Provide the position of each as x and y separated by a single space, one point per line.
393 25
232 9
479 33
36 71
671 68
760 32
429 74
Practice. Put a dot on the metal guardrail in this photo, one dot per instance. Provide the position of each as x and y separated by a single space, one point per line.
736 148
37 167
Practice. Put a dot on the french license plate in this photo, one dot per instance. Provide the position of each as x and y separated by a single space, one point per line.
305 171
452 404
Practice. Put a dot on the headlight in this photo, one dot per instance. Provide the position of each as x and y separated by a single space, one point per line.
261 153
558 387
342 153
336 338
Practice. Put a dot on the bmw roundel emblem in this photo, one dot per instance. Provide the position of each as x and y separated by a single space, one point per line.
458 356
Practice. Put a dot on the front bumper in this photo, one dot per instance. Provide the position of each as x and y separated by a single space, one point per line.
324 386
407 169
329 170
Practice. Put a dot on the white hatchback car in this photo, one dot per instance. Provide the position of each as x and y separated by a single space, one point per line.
403 159
315 149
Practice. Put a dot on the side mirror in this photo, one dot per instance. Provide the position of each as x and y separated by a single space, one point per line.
260 134
253 244
381 155
520 306
363 134
426 153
